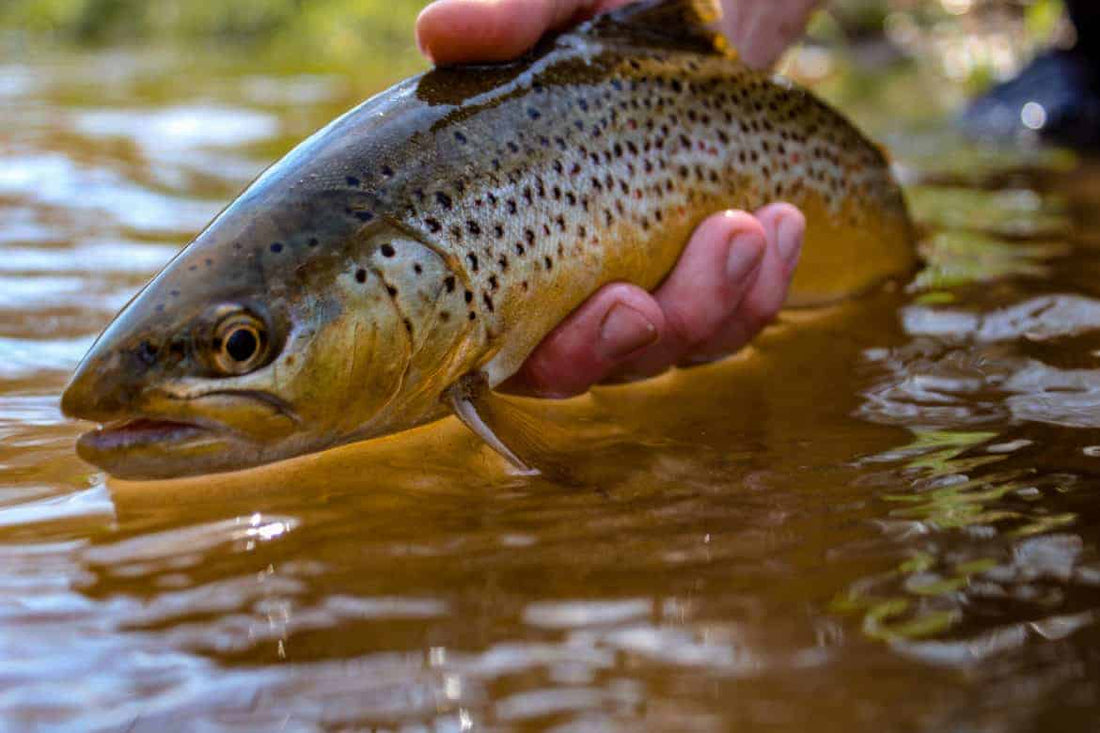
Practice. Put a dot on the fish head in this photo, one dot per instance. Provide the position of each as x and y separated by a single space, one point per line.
243 351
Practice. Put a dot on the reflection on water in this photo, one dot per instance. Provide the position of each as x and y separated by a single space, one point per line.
883 515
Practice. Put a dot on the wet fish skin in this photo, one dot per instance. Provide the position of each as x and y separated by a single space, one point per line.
445 226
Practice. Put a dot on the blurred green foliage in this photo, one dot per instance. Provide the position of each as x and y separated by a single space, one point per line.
315 32
972 42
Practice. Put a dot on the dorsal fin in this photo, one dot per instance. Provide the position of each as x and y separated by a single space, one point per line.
675 23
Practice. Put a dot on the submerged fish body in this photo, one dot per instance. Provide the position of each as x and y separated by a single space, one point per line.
444 227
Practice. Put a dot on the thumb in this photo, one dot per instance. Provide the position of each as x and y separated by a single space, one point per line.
468 31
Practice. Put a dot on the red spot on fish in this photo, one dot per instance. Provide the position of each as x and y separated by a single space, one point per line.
795 158
638 193
631 125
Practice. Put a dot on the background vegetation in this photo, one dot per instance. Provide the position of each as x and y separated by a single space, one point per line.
970 43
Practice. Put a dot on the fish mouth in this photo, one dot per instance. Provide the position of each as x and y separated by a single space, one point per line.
159 442
145 448
141 432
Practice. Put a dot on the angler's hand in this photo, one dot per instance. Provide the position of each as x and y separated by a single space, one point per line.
730 282
462 31
732 277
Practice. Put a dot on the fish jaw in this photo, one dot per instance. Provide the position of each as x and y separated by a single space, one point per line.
154 443
145 448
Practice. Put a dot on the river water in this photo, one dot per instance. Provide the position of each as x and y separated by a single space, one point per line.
884 515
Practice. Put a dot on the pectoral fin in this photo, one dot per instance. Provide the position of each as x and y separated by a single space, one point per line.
506 428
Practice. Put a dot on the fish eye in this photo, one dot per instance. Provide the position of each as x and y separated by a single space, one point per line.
240 343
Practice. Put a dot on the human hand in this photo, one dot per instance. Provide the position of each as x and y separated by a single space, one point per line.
463 31
730 282
733 275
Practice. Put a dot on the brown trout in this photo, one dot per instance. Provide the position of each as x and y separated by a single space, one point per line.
408 257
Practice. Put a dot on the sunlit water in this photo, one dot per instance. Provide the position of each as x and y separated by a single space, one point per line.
884 515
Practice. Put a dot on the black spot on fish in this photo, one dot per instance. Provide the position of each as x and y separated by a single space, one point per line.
276 247
473 227
494 284
387 171
387 250
472 258
408 326
460 137
360 275
488 300
313 242
443 199
353 181
433 224
533 113
418 269
449 283
147 352
392 291
364 215
469 296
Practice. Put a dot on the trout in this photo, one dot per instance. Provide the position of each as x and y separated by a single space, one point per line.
407 258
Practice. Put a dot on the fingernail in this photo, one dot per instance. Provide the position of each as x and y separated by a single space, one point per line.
744 256
625 330
790 243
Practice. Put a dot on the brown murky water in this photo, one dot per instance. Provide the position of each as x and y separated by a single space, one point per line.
883 516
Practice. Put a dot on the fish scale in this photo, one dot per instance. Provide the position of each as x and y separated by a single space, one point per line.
416 250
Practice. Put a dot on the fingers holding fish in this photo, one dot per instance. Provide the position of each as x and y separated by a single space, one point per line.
761 30
465 31
784 229
470 31
613 325
730 282
722 264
